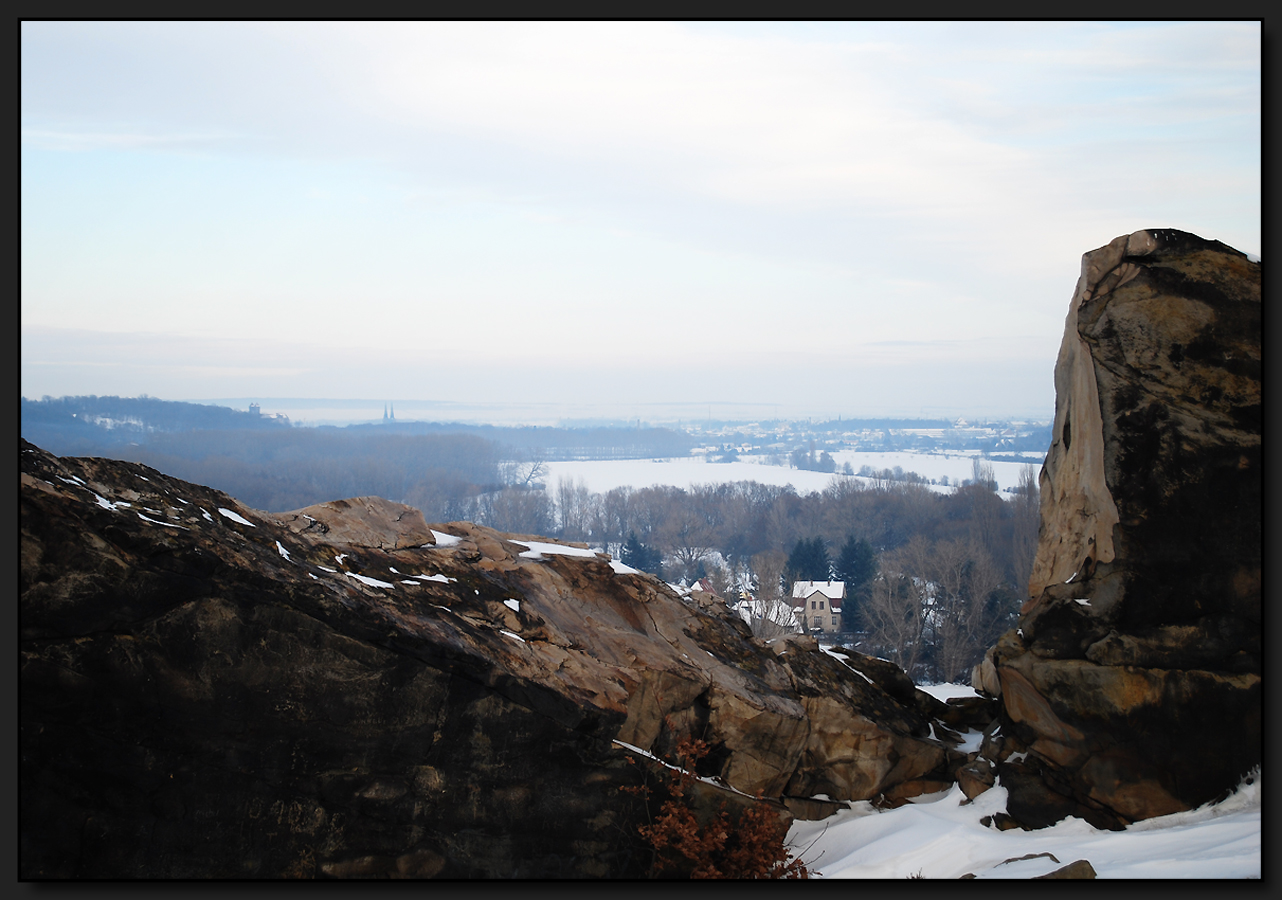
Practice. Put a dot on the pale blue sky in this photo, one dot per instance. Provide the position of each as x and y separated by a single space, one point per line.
853 219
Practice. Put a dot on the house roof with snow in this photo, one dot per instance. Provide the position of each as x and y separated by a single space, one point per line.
833 590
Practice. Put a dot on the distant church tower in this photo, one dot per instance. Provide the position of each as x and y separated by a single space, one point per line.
384 413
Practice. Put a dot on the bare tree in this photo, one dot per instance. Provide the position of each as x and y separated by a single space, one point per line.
685 536
516 511
524 473
895 609
771 611
1026 515
963 578
574 509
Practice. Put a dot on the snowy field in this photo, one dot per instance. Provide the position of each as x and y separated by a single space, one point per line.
939 836
602 475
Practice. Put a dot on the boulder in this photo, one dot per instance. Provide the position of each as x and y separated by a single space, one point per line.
211 691
1133 678
363 521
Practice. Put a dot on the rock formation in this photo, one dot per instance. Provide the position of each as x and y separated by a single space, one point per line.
210 691
1131 687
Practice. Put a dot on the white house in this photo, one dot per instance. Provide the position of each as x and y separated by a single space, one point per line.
817 604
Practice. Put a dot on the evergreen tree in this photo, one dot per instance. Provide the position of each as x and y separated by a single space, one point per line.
809 560
639 556
856 564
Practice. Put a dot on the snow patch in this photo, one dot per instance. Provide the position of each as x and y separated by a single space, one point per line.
234 517
372 582
154 522
283 551
511 635
512 604
945 692
442 539
538 548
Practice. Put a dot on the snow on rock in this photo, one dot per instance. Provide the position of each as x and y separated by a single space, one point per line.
537 549
945 692
234 517
372 582
936 836
166 524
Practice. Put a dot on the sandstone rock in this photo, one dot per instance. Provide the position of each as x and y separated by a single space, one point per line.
1142 624
211 691
362 521
975 778
1080 869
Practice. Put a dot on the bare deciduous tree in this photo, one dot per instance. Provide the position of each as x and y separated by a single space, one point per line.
895 609
771 613
963 578
1026 516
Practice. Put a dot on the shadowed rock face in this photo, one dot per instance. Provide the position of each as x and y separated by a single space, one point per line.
213 691
1133 681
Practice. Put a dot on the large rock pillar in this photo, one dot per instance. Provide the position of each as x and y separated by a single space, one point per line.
1131 687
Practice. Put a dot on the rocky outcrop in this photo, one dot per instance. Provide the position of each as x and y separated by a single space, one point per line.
365 521
1131 687
210 691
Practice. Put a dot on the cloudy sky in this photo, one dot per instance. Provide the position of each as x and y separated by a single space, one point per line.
802 220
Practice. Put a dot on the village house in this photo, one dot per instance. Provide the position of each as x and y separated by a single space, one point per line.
817 604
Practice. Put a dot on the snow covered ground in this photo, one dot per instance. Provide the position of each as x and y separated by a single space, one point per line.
940 836
600 475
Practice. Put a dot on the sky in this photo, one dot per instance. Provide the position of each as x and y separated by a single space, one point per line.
799 220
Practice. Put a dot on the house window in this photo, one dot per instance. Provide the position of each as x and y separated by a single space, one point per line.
821 604
834 621
812 604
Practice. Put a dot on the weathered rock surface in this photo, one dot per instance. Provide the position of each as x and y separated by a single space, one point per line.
1131 688
212 691
367 521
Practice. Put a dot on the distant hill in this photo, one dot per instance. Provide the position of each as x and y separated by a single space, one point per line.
80 426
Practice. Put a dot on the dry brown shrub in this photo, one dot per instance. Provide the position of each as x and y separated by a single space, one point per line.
749 846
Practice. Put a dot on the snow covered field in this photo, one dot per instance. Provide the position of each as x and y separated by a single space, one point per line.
602 475
936 836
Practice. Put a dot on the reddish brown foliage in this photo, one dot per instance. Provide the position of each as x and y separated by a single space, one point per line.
747 847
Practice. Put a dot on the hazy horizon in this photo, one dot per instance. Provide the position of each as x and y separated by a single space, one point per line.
309 411
584 220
